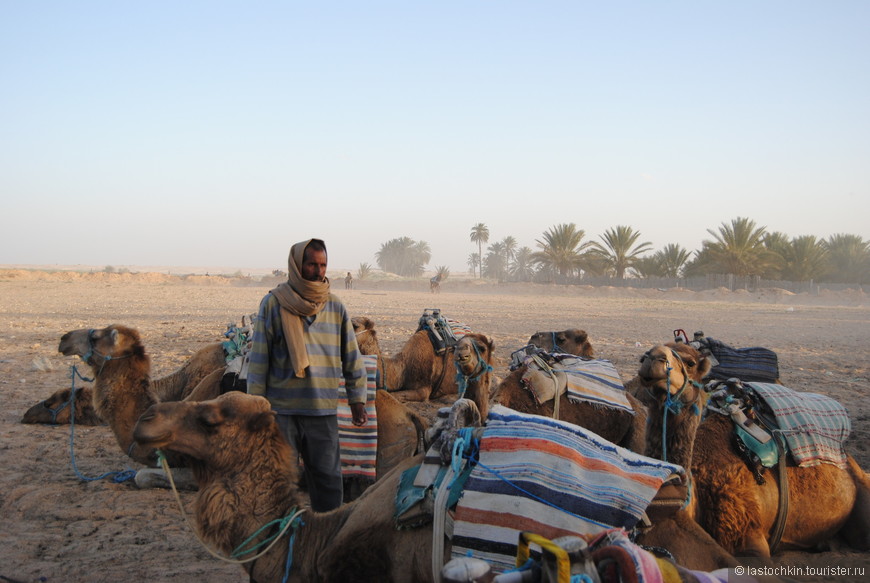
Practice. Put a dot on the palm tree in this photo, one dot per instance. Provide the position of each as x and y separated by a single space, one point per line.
496 261
522 267
473 262
364 271
510 247
404 256
480 235
739 248
849 258
562 249
621 249
778 244
806 259
672 258
649 266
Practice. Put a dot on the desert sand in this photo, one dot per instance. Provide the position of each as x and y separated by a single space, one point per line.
57 527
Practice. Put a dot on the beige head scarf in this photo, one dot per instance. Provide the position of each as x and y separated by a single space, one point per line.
298 298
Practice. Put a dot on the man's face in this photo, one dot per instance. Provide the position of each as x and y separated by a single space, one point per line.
313 265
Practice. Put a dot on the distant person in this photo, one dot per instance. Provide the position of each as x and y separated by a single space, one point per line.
303 345
435 284
348 281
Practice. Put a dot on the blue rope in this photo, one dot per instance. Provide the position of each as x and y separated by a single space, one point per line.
117 477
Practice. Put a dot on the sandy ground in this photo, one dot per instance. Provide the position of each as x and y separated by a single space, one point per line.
56 527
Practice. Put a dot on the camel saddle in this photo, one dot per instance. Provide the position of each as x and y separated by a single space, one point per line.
549 375
443 332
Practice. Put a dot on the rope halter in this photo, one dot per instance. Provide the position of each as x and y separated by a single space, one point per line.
479 371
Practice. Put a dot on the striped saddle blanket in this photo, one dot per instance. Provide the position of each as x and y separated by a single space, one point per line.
814 426
541 475
594 381
359 445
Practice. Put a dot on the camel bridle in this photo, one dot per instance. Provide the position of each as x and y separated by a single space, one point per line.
92 350
479 371
292 521
673 404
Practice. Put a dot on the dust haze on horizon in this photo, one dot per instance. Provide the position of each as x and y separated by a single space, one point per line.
202 134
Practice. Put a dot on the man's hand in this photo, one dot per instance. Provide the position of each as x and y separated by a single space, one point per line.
358 410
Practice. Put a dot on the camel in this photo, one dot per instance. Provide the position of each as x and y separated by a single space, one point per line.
122 392
123 389
246 480
55 410
571 341
619 426
416 373
728 502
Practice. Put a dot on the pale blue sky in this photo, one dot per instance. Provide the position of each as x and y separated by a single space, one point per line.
219 133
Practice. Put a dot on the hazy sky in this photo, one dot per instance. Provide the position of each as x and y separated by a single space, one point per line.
219 133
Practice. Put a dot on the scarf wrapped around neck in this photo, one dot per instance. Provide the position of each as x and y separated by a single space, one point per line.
299 298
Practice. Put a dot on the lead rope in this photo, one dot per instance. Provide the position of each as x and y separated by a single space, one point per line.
118 476
292 520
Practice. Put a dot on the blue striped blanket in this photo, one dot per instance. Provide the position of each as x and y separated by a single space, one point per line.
814 426
359 445
549 477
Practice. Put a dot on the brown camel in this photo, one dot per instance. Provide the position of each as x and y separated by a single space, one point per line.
122 387
728 502
122 392
473 360
616 425
571 341
55 409
246 480
416 373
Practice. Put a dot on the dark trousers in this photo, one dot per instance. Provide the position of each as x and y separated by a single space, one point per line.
315 439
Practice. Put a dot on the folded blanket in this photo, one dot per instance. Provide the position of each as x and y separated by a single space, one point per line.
541 475
359 445
814 426
594 381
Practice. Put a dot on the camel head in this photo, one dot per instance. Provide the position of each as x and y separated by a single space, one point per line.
671 367
472 354
210 431
55 410
99 346
571 341
366 336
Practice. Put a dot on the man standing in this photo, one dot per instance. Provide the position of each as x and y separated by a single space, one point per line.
303 345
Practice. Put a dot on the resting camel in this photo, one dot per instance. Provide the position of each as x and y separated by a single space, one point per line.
618 426
122 391
416 373
55 409
571 341
246 480
728 502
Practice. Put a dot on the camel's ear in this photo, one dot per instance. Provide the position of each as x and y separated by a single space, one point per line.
114 336
261 421
581 337
704 366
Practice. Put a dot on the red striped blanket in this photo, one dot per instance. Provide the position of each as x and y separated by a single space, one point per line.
359 445
540 475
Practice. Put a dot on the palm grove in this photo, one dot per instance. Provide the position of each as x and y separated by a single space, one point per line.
564 253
